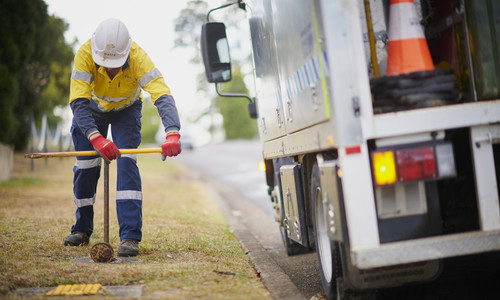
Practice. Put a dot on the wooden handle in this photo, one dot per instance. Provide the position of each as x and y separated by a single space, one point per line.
89 153
106 203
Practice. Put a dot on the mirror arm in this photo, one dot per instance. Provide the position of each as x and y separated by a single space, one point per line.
252 106
240 3
232 95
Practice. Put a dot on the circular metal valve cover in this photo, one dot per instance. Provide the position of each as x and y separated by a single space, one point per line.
101 252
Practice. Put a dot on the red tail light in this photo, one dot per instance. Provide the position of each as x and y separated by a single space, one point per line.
416 164
410 164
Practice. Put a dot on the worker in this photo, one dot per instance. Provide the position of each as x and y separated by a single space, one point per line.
110 71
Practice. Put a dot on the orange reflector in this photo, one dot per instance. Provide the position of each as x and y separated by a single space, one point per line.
384 167
262 166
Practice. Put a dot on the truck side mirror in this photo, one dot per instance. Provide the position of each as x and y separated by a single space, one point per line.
215 52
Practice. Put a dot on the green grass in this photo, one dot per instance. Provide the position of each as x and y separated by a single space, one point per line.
187 250
20 182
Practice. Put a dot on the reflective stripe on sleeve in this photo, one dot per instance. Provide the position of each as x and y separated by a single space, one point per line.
87 164
131 156
84 202
153 74
129 195
82 75
105 108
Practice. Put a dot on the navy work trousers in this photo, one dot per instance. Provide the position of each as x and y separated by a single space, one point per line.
125 131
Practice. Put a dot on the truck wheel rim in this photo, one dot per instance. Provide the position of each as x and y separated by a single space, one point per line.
323 241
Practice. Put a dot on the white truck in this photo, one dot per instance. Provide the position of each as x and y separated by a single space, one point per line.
384 175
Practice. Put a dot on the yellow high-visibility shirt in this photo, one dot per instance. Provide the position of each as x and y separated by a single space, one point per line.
91 81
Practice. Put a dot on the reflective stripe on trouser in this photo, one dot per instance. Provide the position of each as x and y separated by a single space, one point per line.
125 127
86 174
129 199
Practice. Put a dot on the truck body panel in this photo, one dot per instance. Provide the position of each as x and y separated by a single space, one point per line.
267 78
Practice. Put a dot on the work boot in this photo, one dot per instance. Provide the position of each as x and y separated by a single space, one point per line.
77 238
128 247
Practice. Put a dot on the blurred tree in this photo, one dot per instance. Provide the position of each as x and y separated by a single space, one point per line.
56 92
150 121
237 122
33 58
188 28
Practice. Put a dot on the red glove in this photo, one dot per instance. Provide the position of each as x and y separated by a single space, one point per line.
105 147
171 146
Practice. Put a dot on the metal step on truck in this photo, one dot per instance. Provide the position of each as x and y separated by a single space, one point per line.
380 130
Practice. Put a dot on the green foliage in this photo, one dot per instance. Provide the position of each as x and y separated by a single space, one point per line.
237 122
150 122
56 92
30 45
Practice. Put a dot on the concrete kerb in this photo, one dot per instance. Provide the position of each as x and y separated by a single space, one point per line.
274 278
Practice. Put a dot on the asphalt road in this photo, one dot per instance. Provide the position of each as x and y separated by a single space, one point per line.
234 163
231 169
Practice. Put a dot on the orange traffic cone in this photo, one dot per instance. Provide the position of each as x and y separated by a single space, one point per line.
407 50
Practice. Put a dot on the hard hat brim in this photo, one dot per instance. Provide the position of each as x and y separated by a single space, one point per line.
108 62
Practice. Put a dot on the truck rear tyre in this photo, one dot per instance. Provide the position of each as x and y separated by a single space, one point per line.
328 251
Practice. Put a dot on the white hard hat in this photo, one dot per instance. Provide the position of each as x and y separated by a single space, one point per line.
111 44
